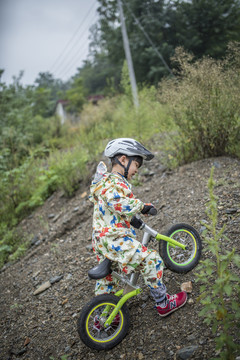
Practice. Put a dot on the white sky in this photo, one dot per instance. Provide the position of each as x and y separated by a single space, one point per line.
44 35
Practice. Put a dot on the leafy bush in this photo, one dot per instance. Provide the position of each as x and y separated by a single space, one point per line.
68 168
218 275
12 244
204 100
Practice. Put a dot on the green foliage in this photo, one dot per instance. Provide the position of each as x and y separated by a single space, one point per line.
47 91
75 95
206 26
12 244
219 279
203 27
68 169
194 113
22 122
63 357
117 117
125 80
100 76
204 101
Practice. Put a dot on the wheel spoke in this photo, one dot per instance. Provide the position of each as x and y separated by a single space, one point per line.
96 324
178 255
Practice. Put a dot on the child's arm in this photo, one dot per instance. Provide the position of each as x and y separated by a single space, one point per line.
120 199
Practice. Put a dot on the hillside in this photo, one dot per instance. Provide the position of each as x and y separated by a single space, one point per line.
43 327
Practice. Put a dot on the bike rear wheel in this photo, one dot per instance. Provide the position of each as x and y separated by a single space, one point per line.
91 323
177 259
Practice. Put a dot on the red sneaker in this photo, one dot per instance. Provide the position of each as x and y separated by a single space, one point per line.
173 303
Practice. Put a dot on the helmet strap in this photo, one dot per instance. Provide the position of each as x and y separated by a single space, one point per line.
126 168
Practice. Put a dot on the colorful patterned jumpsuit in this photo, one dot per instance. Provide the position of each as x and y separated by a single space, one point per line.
114 237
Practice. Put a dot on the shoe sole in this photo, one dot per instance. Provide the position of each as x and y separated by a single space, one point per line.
171 311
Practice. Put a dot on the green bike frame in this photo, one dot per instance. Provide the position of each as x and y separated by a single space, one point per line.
136 290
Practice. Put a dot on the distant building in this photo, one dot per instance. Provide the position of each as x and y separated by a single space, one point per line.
60 110
94 99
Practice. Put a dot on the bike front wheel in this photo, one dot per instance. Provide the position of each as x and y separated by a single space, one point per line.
177 259
91 323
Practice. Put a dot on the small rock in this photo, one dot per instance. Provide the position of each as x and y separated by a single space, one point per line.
190 301
162 168
22 351
140 356
36 274
231 211
202 341
217 165
56 218
55 279
89 247
34 240
84 194
27 341
76 209
64 301
187 286
202 229
69 276
186 352
191 337
67 349
42 288
51 216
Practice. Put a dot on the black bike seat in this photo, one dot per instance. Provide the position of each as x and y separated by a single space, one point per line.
101 270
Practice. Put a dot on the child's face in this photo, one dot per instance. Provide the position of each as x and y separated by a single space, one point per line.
133 169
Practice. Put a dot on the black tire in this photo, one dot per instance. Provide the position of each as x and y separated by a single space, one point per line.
177 259
90 324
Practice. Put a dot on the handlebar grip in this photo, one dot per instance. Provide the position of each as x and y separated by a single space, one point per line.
153 211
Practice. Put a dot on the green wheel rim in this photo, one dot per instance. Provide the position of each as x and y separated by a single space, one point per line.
114 334
193 252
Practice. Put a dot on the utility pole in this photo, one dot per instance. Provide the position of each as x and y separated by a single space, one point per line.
128 56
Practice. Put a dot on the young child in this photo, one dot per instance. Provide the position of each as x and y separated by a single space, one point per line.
113 235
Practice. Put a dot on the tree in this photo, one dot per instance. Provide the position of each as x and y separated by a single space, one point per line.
75 95
203 27
48 91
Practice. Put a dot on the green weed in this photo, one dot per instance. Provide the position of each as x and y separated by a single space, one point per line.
219 290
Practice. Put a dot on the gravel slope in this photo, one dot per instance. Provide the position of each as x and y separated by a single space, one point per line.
43 327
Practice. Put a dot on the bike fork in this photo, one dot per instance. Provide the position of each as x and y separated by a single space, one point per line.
119 305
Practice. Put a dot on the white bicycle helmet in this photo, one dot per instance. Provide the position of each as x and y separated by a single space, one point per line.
127 146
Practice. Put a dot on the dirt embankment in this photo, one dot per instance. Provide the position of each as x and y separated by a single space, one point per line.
43 326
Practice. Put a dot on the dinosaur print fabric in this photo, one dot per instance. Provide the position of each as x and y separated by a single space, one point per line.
114 237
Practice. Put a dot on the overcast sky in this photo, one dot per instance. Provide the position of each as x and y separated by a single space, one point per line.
44 35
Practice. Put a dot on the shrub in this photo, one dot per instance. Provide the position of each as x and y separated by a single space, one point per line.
204 100
12 244
218 275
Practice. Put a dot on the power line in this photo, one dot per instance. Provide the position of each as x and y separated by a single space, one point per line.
71 64
62 56
74 58
148 38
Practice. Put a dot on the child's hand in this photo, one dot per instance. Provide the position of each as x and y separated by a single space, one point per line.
147 208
